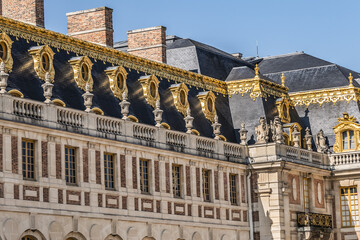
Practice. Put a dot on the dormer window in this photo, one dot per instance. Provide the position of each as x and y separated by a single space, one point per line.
180 97
43 57
82 71
45 62
3 50
150 85
348 140
85 72
207 100
117 79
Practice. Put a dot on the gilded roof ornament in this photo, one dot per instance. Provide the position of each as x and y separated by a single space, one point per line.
351 80
283 80
257 72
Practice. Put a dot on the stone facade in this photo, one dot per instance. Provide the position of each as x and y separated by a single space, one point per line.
148 43
93 25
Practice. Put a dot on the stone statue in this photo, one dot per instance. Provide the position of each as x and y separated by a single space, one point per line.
308 139
216 127
48 87
188 121
125 105
88 96
277 131
243 134
3 78
321 142
262 131
158 114
296 136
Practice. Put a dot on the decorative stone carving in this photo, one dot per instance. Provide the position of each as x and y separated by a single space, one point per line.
296 136
243 134
43 61
262 131
48 87
180 96
3 78
6 58
216 127
82 71
117 79
308 139
88 96
207 100
321 142
188 121
158 114
125 105
150 86
277 131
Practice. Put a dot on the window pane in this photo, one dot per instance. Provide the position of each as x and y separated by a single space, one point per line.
144 176
28 161
345 140
109 171
70 165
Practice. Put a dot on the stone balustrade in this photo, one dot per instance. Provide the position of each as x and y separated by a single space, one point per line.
345 160
67 119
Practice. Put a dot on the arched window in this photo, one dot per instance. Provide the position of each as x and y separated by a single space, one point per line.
348 140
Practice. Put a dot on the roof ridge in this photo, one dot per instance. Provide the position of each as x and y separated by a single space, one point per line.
294 70
284 55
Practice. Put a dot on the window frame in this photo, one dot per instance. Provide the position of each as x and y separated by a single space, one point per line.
306 194
177 193
112 174
206 185
26 175
233 184
357 222
348 140
144 180
75 177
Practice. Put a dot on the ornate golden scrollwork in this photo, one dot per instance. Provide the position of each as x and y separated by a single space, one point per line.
207 100
5 51
150 86
117 78
283 107
82 71
43 61
347 133
180 96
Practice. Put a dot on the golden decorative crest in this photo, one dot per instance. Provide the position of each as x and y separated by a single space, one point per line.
82 71
150 86
347 134
207 100
43 61
5 51
180 96
283 107
117 78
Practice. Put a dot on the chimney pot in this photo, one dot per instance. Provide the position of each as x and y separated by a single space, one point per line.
28 11
93 25
148 43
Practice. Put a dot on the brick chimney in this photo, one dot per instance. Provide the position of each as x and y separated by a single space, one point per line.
28 11
93 25
148 43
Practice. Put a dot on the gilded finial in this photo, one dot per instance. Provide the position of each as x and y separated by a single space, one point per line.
256 70
283 80
350 80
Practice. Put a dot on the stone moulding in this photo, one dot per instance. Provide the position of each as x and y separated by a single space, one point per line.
105 54
37 53
113 74
322 96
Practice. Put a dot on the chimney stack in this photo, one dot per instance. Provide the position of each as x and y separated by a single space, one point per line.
93 25
28 11
148 43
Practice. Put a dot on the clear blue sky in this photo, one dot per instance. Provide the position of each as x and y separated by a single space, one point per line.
327 29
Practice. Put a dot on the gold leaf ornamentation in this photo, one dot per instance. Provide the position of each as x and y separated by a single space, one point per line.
43 61
150 86
180 96
82 71
117 79
207 100
5 55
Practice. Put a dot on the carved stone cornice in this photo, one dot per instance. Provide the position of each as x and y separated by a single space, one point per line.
105 54
256 87
331 95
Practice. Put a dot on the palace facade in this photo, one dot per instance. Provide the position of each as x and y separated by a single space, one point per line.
165 138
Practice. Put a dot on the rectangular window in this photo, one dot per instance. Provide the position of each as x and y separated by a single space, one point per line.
70 165
206 184
28 159
144 175
176 176
109 171
306 194
349 207
233 189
